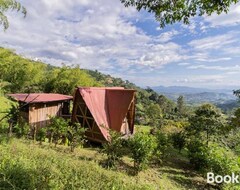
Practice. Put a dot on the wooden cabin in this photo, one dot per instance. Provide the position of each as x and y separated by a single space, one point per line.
101 109
37 108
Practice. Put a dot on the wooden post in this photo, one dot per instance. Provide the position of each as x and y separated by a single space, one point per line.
10 122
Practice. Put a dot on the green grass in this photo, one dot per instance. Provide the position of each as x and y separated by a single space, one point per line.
27 165
142 128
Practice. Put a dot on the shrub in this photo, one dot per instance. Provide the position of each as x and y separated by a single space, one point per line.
163 142
198 154
212 158
76 136
141 147
113 148
178 140
4 127
41 134
222 161
21 129
57 129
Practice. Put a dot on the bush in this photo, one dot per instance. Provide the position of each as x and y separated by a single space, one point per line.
21 129
178 140
4 127
141 147
41 134
198 154
57 129
163 142
113 148
222 161
76 136
212 158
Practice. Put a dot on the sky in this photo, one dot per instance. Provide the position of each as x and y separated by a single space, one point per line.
104 35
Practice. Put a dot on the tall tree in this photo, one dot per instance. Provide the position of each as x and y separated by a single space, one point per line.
180 105
171 11
6 5
166 105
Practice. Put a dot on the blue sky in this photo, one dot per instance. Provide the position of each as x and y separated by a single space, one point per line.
120 41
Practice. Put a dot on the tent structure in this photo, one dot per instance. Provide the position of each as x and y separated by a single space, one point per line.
101 109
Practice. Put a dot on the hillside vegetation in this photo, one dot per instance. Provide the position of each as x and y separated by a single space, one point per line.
174 145
26 165
23 75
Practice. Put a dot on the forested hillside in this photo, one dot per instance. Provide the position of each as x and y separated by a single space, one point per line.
23 75
19 74
174 145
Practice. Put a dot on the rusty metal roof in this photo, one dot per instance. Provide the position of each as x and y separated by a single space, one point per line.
40 97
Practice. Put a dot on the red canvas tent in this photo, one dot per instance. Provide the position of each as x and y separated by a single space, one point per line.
101 109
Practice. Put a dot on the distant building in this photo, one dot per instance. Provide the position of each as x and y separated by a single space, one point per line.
37 108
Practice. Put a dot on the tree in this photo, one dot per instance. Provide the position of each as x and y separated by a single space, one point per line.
206 122
179 140
19 74
76 136
180 105
171 11
152 94
154 115
142 147
113 148
166 105
6 5
237 93
65 79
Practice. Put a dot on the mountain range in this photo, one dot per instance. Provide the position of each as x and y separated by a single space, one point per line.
197 95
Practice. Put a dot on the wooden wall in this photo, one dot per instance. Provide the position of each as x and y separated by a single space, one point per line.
39 114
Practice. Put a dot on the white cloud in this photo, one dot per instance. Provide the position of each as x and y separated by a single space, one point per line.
183 64
96 35
229 19
214 59
104 35
191 27
235 68
166 36
203 79
213 42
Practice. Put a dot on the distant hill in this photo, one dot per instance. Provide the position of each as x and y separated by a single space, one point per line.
197 95
188 90
229 105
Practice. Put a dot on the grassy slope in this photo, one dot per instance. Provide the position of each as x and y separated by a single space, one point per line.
83 168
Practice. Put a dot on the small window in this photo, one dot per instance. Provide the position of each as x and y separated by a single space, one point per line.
24 107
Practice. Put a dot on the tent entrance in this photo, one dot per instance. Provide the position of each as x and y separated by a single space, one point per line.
85 118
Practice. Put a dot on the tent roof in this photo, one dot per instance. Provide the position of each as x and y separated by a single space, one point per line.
40 97
108 106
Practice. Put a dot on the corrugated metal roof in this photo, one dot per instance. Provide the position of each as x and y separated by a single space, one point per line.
40 97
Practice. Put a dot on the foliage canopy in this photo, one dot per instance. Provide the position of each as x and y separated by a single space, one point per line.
171 11
6 5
